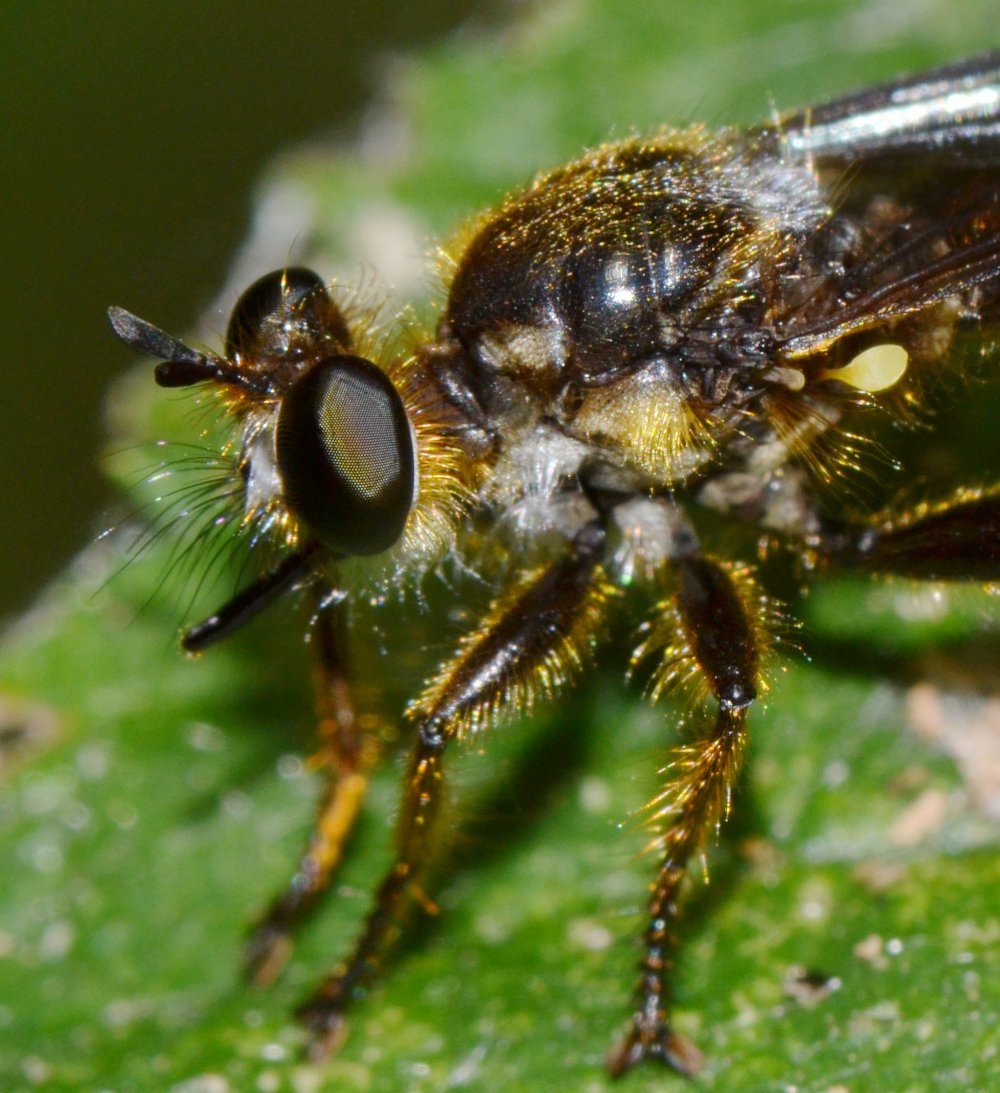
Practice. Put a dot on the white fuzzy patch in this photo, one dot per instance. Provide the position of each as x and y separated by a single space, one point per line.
652 530
537 461
263 487
514 349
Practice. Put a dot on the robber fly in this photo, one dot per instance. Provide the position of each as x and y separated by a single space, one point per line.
665 326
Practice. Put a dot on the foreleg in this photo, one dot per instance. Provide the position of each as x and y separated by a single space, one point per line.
533 640
347 754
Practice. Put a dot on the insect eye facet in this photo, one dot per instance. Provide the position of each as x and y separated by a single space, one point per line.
346 455
281 309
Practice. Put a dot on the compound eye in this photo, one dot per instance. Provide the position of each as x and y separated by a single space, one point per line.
282 310
345 455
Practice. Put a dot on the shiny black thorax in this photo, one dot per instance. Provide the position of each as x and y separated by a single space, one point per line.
639 256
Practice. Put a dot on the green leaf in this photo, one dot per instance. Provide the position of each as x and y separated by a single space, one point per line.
154 804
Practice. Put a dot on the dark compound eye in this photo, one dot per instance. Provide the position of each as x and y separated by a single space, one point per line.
283 311
345 455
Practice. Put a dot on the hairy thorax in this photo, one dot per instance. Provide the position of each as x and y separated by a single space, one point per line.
615 312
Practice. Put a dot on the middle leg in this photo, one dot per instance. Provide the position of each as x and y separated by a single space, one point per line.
712 634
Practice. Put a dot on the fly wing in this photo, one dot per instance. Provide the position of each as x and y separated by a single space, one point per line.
949 114
953 258
913 167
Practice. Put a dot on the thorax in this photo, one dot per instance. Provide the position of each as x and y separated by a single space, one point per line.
616 309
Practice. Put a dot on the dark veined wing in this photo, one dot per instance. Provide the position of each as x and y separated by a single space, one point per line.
950 113
915 163
917 264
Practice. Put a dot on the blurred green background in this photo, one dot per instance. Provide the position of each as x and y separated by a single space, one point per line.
134 134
